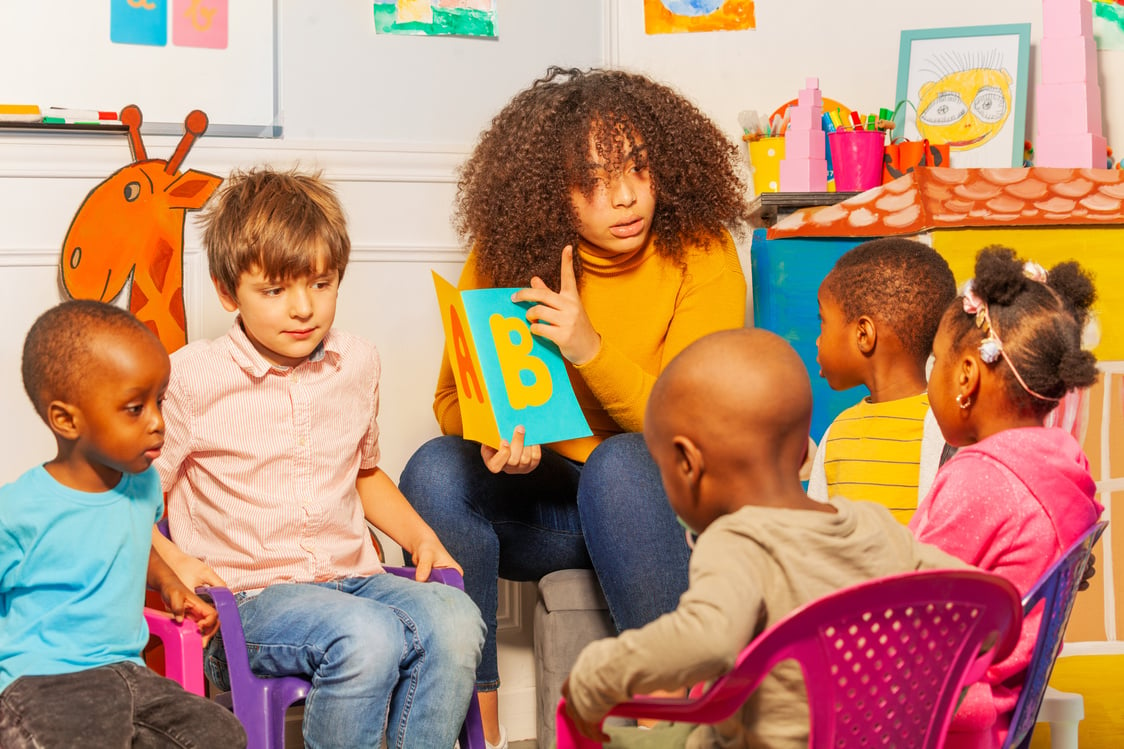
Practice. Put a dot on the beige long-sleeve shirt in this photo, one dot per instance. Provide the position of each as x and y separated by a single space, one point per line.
748 570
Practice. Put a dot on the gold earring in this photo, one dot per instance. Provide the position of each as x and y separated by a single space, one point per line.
963 401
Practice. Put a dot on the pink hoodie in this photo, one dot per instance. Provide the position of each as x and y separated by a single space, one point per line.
1009 504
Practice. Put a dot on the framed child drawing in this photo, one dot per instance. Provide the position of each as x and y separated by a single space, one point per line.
966 87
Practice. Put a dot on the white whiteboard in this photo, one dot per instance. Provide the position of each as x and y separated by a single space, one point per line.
58 53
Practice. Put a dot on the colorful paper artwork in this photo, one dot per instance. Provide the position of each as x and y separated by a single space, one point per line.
436 17
195 23
506 377
674 16
139 22
966 87
1108 23
199 23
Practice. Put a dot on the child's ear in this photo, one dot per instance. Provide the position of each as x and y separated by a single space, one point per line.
866 334
64 419
688 460
229 303
968 376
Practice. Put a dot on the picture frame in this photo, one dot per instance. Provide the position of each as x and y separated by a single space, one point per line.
966 86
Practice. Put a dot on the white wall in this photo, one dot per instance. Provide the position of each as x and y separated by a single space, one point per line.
389 119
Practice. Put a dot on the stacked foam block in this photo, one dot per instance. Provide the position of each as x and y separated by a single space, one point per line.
1067 103
804 167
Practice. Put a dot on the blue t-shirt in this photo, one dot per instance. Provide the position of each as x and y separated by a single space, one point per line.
73 567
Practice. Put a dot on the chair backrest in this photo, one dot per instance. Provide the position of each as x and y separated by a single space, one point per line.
884 658
1057 590
183 649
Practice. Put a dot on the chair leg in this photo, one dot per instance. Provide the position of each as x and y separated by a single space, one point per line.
1063 711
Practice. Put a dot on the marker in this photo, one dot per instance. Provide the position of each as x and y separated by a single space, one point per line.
856 120
837 118
870 122
828 125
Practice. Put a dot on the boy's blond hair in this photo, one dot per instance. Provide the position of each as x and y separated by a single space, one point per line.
282 224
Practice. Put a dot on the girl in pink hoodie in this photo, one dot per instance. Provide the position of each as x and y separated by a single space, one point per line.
1017 493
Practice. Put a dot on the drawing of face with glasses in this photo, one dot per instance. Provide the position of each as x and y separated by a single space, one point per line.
965 108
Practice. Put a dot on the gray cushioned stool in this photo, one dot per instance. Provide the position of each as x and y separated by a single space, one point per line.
571 612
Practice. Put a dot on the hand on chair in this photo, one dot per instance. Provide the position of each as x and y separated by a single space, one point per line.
585 728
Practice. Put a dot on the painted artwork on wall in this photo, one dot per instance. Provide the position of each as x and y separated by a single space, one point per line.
1108 23
674 16
125 243
966 87
436 17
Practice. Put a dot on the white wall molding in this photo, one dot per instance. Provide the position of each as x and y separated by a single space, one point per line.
41 156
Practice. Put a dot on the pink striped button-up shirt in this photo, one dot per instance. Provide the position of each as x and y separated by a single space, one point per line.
259 461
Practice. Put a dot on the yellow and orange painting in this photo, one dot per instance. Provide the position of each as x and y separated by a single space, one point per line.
674 16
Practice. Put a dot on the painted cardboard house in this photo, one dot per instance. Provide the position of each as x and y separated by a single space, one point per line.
1045 214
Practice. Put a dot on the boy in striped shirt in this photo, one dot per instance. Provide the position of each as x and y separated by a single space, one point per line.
879 309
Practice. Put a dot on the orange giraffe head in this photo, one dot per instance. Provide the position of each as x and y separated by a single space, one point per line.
131 227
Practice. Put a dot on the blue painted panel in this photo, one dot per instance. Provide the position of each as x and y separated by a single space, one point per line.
786 276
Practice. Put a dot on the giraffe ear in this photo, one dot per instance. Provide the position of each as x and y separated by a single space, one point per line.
191 189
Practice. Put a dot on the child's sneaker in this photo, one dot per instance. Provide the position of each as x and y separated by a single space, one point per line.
503 740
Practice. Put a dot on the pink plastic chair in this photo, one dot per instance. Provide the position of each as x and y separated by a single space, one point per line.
886 658
183 649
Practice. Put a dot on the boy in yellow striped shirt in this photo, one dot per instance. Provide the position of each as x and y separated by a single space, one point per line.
879 309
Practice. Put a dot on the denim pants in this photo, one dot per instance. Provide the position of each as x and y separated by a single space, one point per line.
120 706
385 655
610 513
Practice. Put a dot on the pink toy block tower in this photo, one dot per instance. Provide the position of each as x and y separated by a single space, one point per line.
804 167
1067 104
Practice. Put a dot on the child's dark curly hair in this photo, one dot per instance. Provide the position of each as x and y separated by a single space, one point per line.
1040 325
900 283
513 199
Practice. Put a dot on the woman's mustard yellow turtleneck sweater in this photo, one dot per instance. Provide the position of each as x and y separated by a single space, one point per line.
647 308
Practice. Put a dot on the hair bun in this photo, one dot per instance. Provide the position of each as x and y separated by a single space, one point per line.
1074 286
999 275
1077 369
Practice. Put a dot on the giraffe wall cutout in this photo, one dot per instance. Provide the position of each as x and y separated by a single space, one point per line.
128 233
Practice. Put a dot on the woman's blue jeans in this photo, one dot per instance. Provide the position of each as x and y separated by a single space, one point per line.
380 651
610 514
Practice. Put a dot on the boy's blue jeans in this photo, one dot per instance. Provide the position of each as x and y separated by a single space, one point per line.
610 514
383 653
119 706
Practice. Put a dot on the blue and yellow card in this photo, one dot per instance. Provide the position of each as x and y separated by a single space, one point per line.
505 376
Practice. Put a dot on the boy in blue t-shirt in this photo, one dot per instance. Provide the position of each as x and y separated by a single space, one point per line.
75 549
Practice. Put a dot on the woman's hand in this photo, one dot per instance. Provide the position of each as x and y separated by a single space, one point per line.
560 317
512 457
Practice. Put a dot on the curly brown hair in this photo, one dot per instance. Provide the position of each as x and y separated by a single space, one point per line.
513 198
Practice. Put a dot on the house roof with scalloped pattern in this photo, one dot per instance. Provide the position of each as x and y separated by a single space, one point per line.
948 198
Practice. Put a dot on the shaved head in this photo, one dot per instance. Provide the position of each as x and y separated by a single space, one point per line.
743 396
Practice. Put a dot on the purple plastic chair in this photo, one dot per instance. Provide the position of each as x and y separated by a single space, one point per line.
1057 590
886 658
183 649
260 702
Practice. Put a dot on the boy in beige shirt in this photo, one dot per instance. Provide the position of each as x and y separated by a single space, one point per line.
727 423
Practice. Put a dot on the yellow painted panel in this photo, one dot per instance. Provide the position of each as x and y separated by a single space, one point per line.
1100 680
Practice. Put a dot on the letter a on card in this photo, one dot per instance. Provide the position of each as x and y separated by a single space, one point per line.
506 377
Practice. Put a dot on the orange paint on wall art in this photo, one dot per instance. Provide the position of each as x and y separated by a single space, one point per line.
732 15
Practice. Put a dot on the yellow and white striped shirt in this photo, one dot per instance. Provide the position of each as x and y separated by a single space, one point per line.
879 452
